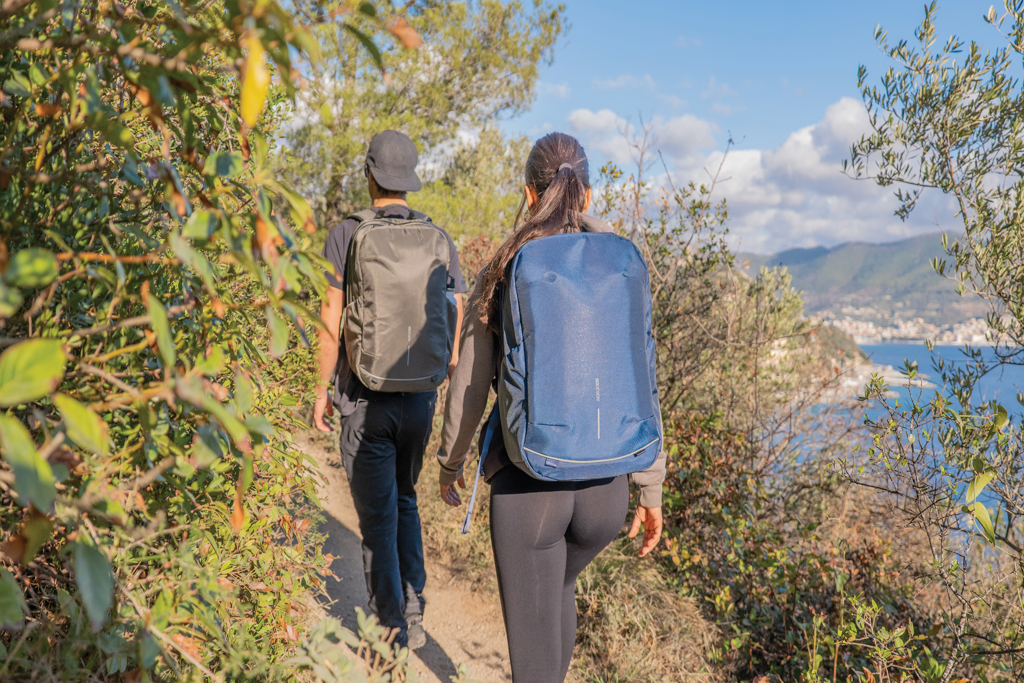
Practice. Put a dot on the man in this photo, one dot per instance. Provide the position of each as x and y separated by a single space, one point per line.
384 433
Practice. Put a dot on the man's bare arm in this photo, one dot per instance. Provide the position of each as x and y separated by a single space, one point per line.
331 309
461 305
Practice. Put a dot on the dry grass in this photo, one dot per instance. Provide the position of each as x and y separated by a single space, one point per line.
634 627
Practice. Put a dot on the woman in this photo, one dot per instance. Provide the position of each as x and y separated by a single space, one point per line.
543 534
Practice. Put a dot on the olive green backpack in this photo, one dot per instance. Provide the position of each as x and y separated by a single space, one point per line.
400 312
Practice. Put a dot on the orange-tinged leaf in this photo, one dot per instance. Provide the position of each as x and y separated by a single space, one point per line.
238 514
179 201
255 81
47 110
405 33
267 235
14 548
189 645
244 144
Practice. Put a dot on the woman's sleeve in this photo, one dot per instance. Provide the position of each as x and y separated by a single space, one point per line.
650 481
466 399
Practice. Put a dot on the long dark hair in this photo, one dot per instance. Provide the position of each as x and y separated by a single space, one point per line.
558 171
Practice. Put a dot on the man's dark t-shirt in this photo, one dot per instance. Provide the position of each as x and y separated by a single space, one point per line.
347 388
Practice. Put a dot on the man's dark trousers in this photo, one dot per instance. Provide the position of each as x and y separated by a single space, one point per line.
382 446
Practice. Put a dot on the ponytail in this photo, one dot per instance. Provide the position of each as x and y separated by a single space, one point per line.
558 171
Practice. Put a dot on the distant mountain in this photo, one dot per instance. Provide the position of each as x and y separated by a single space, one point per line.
873 282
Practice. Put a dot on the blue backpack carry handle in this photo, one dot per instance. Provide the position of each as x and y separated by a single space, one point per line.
488 433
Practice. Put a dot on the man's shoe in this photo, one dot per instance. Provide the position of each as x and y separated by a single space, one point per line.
417 636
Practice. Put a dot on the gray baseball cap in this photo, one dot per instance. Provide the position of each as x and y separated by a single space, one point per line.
392 157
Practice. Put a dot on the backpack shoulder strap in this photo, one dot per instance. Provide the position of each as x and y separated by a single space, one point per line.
364 215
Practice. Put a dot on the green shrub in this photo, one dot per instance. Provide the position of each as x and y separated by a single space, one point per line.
157 522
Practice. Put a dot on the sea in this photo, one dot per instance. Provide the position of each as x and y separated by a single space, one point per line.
1002 384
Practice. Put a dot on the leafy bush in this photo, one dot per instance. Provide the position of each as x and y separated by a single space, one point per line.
157 520
948 116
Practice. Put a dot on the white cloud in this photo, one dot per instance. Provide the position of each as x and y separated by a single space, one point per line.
794 195
540 131
584 119
628 82
559 90
726 109
672 101
797 196
716 90
679 138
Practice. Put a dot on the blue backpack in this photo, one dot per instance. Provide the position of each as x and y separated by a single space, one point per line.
577 389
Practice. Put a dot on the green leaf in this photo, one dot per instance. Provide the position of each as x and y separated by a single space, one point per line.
200 226
206 447
12 601
95 582
31 268
278 334
192 391
117 134
84 427
30 370
224 164
162 328
33 477
38 74
10 301
18 85
326 114
212 363
368 44
981 515
247 464
978 484
1001 418
243 393
37 531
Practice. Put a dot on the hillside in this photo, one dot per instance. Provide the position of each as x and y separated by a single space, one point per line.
874 282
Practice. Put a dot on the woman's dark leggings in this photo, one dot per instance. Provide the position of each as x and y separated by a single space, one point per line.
543 535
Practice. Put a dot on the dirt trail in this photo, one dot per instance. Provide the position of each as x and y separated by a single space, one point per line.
463 625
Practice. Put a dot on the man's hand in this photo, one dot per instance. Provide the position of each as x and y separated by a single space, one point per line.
322 404
650 518
450 495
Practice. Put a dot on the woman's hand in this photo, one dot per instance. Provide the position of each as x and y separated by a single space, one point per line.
651 520
450 495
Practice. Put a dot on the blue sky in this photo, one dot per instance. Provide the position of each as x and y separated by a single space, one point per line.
779 77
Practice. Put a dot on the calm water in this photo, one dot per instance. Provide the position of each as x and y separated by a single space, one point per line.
1002 384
